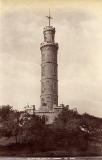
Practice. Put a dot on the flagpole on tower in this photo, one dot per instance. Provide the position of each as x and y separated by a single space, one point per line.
49 17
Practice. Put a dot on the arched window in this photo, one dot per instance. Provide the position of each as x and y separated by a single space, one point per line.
45 37
43 71
43 57
54 70
54 86
42 100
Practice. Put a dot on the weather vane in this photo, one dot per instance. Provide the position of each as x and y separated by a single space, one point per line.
49 17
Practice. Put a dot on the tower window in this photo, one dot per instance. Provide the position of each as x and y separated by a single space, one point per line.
43 71
45 37
54 85
43 57
43 89
42 100
54 70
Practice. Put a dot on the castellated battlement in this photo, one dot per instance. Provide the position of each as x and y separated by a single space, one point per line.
49 28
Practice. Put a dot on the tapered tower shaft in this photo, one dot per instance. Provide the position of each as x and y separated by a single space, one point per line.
49 66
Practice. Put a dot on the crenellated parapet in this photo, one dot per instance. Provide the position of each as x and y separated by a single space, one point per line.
49 28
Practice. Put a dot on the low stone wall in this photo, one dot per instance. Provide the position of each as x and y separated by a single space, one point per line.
50 116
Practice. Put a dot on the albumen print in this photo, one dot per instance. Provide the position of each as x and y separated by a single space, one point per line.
50 79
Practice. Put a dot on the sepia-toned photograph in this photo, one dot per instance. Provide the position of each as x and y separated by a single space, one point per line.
50 79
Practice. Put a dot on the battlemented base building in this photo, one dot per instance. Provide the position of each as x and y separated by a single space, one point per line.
49 76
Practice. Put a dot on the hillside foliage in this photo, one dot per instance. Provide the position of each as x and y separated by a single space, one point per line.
70 131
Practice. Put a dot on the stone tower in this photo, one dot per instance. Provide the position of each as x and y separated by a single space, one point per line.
49 74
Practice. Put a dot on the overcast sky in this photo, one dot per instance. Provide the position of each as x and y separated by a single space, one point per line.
79 34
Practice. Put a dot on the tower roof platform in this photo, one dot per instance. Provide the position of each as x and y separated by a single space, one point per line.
49 28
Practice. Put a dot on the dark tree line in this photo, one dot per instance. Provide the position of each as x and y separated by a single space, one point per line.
69 132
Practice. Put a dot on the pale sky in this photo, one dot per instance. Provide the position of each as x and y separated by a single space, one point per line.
78 26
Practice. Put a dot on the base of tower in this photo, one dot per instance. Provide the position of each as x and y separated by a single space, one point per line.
49 115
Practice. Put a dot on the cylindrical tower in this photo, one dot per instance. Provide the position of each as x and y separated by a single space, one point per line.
49 75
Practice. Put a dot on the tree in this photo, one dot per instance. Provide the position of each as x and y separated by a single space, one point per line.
5 110
32 129
10 121
68 119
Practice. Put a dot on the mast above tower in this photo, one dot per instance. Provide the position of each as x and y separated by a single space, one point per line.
49 34
49 17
